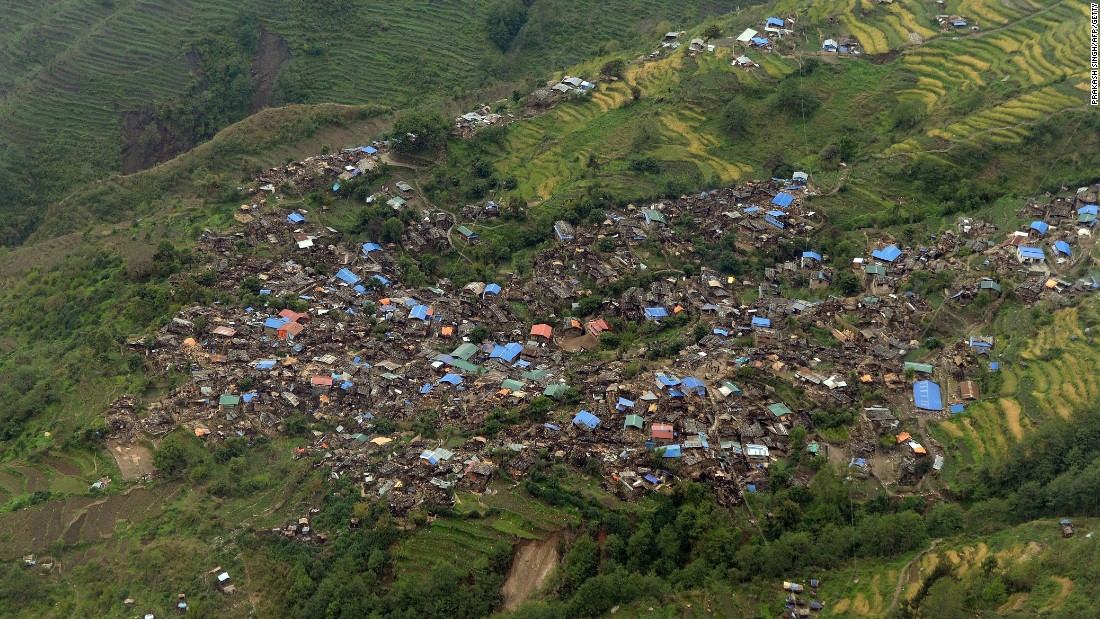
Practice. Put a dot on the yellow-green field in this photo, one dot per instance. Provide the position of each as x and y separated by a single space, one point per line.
1056 375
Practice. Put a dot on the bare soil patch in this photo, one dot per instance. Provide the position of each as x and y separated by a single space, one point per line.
532 562
576 344
133 460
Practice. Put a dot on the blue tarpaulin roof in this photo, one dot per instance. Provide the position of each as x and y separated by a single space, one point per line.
1088 209
347 276
957 408
889 254
425 388
1062 247
492 289
295 218
586 419
783 199
760 321
369 247
775 222
265 364
419 312
775 21
1033 253
453 379
812 254
752 209
275 323
927 395
1040 226
672 451
760 40
656 312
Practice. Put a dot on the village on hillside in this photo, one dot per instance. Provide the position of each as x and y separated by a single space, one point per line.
346 344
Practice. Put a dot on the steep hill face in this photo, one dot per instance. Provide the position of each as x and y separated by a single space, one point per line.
94 87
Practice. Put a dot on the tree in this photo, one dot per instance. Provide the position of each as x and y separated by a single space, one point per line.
796 100
504 21
392 229
421 130
712 31
613 68
944 600
847 283
734 119
908 114
945 519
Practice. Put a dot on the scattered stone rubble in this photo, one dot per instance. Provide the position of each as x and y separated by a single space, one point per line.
336 337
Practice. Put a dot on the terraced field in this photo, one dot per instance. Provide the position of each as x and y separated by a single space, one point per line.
1057 374
1033 543
462 541
77 519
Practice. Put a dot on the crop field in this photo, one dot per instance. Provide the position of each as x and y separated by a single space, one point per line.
1007 122
488 522
1035 50
1056 375
1036 543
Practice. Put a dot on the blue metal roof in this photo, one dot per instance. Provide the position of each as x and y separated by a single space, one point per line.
775 222
508 352
777 213
783 199
453 379
347 276
889 254
656 312
624 403
760 321
425 388
1062 247
668 380
760 40
1040 226
369 247
1090 209
957 408
775 21
927 395
295 218
265 364
586 419
812 254
420 312
492 289
752 209
672 451
1033 253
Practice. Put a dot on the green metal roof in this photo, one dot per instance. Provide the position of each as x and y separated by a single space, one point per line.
229 400
465 351
512 384
779 409
634 421
918 367
555 391
466 366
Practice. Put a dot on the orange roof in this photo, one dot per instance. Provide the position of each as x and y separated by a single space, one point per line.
321 379
576 324
385 301
291 328
201 431
292 315
447 331
225 331
919 450
542 329
677 309
904 436
598 326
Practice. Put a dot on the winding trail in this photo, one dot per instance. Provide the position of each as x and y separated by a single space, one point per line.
905 570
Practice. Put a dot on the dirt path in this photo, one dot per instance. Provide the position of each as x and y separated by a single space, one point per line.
902 577
531 565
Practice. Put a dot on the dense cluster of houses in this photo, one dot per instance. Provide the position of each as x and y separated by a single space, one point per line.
335 337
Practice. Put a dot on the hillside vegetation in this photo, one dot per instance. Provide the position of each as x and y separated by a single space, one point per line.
90 88
899 141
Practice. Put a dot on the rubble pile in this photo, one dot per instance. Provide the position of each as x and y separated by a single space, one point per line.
334 336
